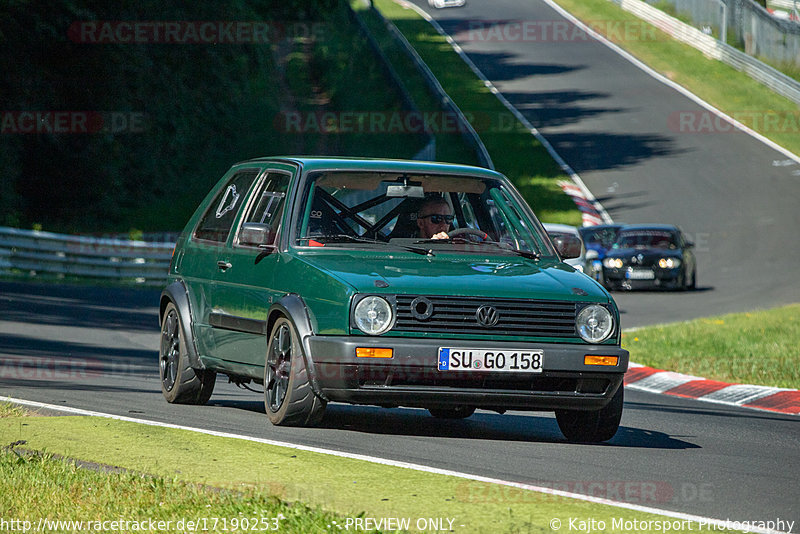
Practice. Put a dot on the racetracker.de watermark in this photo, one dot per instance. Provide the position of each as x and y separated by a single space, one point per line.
554 31
191 31
392 122
66 368
707 122
643 492
72 122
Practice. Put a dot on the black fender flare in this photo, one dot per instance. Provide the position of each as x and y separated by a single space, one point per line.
294 308
177 293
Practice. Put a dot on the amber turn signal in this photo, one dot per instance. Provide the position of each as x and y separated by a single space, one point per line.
371 352
591 359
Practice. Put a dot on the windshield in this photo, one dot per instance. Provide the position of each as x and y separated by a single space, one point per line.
604 236
646 239
431 213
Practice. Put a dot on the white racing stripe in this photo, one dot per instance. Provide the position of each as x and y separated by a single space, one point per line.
719 523
661 382
739 394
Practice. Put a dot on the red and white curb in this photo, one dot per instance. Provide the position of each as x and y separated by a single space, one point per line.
591 215
648 379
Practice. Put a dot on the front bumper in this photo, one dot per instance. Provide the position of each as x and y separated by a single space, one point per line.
661 278
411 377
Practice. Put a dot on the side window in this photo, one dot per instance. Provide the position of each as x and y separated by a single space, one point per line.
269 202
218 219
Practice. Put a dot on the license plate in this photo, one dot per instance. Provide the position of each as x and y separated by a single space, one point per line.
508 360
640 274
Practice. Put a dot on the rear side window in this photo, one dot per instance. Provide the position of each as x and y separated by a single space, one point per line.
217 221
269 205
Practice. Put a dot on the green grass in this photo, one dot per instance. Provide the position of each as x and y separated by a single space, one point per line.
450 147
12 410
514 151
37 486
759 347
250 477
724 87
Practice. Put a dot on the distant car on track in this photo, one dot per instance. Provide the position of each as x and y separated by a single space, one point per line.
569 244
655 256
598 240
439 4
385 282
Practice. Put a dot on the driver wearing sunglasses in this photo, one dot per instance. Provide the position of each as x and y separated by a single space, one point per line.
434 218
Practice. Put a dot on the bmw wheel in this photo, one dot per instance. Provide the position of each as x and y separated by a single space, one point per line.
288 397
180 383
592 426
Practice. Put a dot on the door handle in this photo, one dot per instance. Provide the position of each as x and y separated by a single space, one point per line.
224 265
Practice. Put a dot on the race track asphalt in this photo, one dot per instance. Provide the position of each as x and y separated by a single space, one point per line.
640 148
96 349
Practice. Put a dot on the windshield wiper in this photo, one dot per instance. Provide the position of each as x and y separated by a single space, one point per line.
524 253
357 239
459 239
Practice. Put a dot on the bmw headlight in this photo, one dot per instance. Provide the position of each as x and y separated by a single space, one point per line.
373 315
612 263
669 263
595 323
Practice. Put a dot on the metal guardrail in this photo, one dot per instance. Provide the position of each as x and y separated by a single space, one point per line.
466 129
34 253
711 47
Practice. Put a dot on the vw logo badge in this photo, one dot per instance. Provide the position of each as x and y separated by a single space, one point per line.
487 316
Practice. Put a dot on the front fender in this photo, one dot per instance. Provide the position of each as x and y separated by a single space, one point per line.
294 308
177 293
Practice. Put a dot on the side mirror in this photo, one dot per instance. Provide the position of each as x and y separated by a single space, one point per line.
689 244
256 235
568 247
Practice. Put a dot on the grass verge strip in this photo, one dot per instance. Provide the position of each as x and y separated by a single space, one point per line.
352 488
758 347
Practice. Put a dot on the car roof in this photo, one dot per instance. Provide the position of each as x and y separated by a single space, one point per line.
664 227
565 228
600 227
312 163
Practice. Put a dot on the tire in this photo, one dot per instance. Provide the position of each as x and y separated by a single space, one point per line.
180 383
288 397
693 285
454 412
592 426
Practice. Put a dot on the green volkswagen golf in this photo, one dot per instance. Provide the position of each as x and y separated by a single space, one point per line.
389 283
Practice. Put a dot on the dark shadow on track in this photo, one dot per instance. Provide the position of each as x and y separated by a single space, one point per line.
482 425
86 306
558 108
713 410
602 151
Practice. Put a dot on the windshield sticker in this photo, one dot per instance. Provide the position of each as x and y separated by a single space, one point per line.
222 209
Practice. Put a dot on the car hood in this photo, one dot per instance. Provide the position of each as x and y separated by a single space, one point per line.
447 274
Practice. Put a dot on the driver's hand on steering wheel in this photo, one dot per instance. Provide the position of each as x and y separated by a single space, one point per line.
440 235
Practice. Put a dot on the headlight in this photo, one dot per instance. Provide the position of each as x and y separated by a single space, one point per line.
595 323
669 263
373 315
613 263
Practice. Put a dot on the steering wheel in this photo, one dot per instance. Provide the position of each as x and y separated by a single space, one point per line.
471 232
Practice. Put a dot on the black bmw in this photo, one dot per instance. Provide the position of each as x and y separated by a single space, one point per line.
652 256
